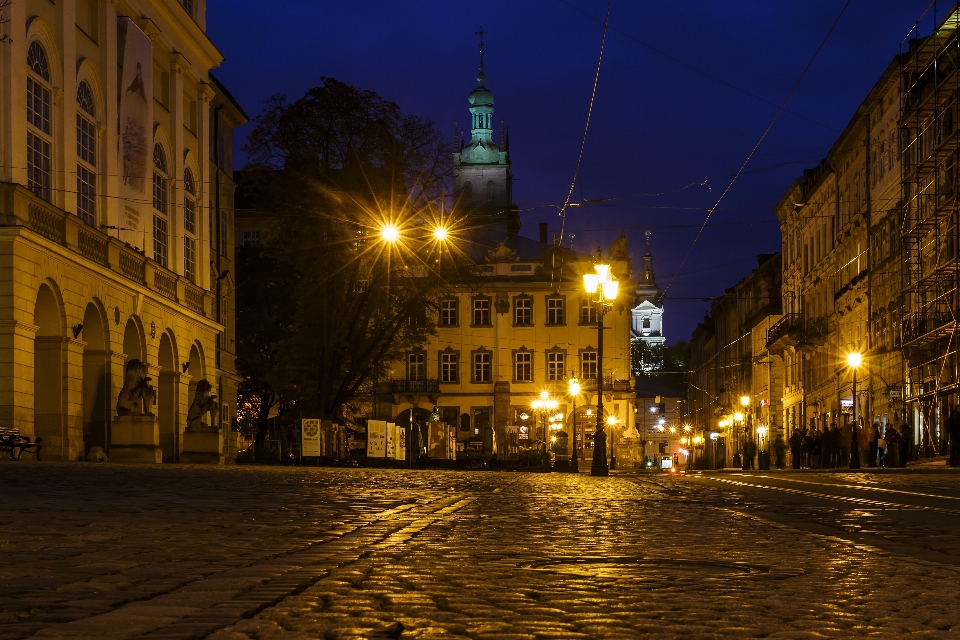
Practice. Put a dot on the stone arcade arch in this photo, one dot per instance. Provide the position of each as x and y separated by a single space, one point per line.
196 371
48 367
96 378
167 409
133 340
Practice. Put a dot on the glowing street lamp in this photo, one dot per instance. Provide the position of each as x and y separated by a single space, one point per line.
440 233
573 386
605 287
854 360
389 233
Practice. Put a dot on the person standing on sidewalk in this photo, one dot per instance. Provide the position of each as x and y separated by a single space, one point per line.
954 426
780 449
874 437
845 440
835 439
906 433
795 443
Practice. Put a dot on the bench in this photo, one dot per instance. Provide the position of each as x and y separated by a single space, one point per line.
15 444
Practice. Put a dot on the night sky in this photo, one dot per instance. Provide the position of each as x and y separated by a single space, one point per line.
664 117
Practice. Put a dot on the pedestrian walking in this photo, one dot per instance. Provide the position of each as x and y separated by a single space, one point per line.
780 450
954 427
806 446
828 444
863 442
816 449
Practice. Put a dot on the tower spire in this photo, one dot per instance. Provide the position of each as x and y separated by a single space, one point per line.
481 76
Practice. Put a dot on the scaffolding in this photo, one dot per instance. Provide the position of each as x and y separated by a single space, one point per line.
930 274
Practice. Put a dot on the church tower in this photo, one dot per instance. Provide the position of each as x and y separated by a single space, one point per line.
647 317
483 179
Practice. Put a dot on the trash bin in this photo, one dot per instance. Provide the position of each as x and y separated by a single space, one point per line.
893 454
764 463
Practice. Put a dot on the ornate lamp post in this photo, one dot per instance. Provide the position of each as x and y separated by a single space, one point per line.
854 360
605 286
612 422
543 406
574 388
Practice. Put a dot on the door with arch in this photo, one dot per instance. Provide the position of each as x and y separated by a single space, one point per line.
48 367
96 380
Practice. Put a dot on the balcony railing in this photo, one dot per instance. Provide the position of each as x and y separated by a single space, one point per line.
20 207
400 385
786 331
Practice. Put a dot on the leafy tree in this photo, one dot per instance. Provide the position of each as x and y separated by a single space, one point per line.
265 315
332 169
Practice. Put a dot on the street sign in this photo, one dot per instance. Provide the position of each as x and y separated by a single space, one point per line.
310 437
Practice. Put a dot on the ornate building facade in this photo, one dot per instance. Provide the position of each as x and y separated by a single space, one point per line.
109 232
646 325
518 325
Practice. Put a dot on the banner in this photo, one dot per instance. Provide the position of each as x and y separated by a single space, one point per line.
310 437
401 452
376 438
136 136
391 440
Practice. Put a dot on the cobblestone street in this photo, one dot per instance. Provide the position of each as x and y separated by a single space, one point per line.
113 551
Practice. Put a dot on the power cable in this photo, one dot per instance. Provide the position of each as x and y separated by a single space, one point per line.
759 142
586 127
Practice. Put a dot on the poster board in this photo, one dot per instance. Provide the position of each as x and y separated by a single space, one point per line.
391 450
438 447
376 438
310 438
401 440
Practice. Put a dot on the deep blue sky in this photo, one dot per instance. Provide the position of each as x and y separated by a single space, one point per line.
657 124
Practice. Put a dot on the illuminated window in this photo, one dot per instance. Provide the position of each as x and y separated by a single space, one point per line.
556 361
86 155
523 366
482 366
555 311
449 316
449 367
522 310
39 172
588 312
588 365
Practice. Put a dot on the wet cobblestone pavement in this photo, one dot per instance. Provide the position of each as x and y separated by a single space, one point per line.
112 551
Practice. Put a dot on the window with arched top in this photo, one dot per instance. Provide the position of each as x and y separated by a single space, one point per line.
189 226
646 323
39 139
468 190
491 190
160 198
86 155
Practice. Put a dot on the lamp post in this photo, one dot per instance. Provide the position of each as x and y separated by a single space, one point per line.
689 443
543 406
574 388
611 422
605 286
854 360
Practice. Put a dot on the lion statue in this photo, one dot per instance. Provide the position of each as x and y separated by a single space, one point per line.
204 401
137 397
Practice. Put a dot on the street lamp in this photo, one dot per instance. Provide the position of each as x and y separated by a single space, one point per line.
389 233
854 360
606 287
612 422
440 233
543 406
574 389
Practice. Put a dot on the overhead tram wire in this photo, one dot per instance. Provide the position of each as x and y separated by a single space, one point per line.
586 127
759 142
698 70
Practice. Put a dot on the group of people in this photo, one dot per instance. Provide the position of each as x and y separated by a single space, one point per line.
830 447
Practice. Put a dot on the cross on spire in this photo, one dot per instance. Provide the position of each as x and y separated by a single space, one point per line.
481 33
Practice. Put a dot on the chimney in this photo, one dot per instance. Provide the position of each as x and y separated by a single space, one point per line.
543 233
